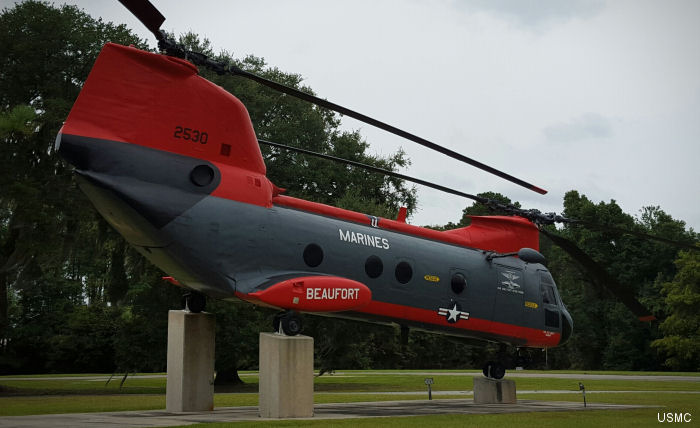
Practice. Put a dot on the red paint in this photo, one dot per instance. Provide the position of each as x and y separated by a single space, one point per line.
172 280
533 337
647 318
138 97
497 233
316 294
401 217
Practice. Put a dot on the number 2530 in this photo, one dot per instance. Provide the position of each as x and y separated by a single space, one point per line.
194 135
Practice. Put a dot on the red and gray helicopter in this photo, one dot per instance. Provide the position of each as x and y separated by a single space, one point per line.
173 163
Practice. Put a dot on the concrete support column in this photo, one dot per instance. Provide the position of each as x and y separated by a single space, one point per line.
286 388
190 385
492 391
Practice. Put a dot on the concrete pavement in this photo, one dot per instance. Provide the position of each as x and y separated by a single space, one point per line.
161 418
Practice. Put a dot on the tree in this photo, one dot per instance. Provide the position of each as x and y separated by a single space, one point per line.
45 222
606 334
681 341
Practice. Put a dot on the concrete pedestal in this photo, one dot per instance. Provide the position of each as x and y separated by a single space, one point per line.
492 391
190 362
286 388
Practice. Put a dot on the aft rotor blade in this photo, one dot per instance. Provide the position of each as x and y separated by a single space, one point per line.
598 274
379 124
147 14
375 169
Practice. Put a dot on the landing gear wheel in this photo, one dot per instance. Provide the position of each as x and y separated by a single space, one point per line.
195 302
291 324
494 370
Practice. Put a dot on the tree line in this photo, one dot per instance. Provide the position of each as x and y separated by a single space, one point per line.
74 297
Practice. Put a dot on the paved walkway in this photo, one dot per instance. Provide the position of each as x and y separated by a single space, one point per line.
160 418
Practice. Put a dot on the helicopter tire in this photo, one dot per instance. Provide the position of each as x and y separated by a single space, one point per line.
498 371
291 324
494 370
195 302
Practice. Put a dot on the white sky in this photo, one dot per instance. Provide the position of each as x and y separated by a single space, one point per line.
598 96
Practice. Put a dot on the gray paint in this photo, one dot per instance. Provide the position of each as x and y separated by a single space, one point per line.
248 248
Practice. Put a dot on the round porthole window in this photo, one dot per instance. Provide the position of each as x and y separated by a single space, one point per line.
374 266
403 272
202 175
459 283
313 255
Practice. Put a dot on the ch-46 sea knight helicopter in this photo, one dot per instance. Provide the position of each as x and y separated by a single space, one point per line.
172 161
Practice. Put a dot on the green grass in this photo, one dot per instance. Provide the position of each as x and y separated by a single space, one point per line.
117 375
44 386
41 405
44 395
356 382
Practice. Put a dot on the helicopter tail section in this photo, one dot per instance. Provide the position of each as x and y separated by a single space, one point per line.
159 104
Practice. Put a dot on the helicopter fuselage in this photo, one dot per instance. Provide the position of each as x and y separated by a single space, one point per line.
206 214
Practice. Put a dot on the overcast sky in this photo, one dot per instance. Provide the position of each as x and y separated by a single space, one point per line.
598 96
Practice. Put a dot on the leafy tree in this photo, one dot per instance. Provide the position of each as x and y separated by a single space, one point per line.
681 341
606 334
45 55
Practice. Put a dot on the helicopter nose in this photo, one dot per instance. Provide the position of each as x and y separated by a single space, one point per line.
567 326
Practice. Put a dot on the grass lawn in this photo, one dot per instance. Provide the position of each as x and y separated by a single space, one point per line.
349 382
44 395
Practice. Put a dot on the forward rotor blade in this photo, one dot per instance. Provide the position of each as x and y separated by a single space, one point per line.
374 122
598 274
375 169
147 14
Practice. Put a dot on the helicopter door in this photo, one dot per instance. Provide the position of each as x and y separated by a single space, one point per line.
550 306
510 284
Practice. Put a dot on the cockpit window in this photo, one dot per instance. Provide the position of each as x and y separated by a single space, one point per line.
548 295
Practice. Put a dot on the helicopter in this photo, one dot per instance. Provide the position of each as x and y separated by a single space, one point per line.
173 163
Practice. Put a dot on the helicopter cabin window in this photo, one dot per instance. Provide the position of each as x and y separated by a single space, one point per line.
202 175
458 283
403 272
313 255
374 267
